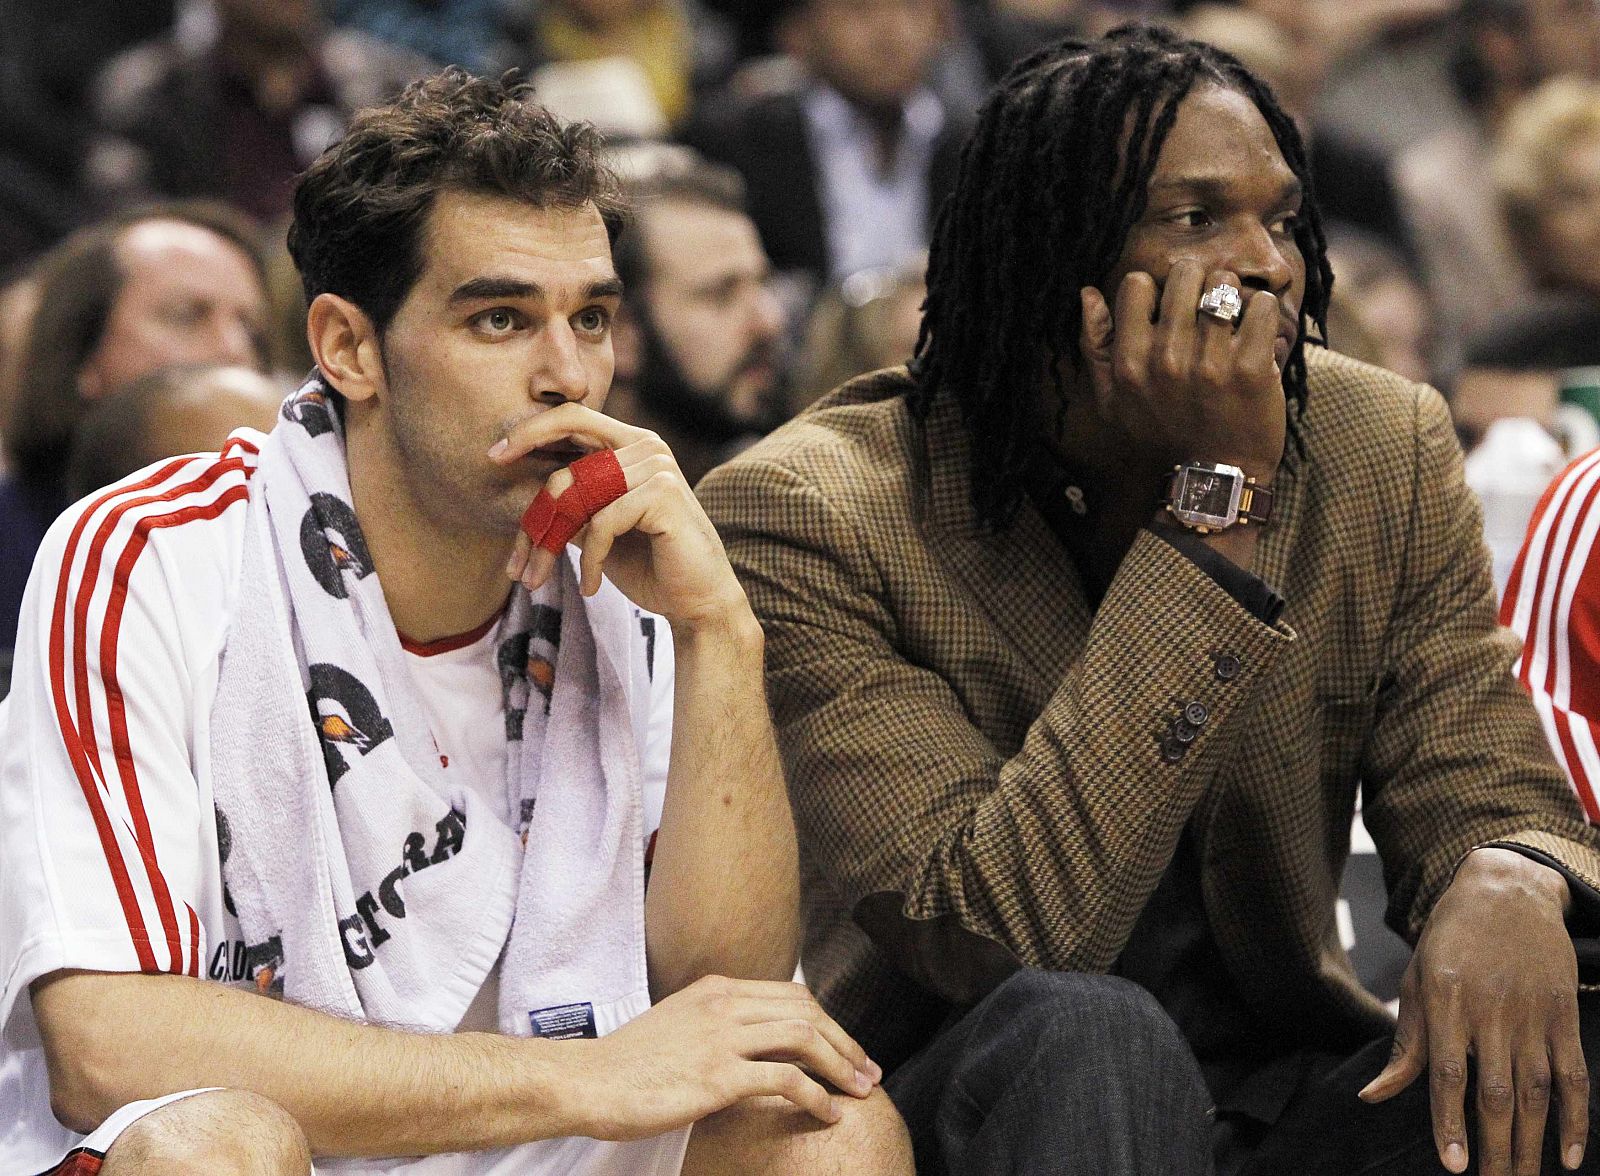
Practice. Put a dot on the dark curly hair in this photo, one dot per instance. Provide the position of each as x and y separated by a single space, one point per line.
360 209
1051 182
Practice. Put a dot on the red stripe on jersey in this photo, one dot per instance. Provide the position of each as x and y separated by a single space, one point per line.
116 709
87 771
239 443
79 1162
70 736
1508 602
1555 506
194 941
1574 765
1548 620
109 635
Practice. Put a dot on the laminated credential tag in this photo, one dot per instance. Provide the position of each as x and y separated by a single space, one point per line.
564 1022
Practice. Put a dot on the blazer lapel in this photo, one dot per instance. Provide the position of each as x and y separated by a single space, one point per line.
1019 578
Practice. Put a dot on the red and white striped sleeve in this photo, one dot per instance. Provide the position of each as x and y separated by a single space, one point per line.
101 846
1552 601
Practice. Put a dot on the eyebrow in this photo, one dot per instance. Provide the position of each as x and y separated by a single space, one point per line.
486 288
1216 190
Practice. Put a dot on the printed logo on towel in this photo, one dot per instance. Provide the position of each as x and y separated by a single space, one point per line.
510 658
525 817
362 933
331 541
346 715
530 656
564 1022
224 849
264 964
647 626
311 410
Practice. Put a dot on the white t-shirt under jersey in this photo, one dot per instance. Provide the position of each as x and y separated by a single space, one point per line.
108 835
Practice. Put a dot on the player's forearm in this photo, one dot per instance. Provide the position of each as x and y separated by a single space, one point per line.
354 1089
724 887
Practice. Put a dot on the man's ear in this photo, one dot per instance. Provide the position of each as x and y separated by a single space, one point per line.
345 345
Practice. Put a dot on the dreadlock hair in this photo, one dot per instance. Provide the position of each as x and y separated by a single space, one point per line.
1050 183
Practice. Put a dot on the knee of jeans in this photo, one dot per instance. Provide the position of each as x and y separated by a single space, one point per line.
1089 1012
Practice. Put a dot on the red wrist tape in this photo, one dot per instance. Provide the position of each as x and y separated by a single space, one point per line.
597 481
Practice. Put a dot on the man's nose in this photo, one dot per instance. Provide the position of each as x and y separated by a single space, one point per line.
1259 260
766 314
559 375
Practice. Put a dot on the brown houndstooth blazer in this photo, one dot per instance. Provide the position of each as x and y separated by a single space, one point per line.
975 758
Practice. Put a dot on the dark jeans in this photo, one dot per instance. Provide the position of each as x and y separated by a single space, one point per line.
1063 1074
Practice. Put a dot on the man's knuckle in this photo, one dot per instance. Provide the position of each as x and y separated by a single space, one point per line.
1574 1080
1533 1089
1170 366
1448 1073
1495 1093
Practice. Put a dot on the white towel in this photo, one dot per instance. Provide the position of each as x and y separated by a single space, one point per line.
368 884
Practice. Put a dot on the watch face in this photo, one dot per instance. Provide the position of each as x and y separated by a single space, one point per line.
1207 496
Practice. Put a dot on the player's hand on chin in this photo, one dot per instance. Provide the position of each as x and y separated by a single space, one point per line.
654 542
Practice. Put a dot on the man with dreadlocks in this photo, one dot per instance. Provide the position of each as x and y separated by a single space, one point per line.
1081 636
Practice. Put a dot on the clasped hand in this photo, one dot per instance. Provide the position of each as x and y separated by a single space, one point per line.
654 542
1179 385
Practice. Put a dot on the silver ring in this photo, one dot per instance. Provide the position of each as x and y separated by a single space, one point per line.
1223 302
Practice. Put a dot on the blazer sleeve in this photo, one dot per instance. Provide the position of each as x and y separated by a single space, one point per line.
1456 758
962 863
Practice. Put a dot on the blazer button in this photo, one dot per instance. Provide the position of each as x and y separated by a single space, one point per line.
1183 731
1171 750
1196 714
1228 667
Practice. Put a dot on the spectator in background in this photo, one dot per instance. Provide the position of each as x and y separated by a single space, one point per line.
238 115
49 53
1504 49
19 298
468 33
869 321
181 283
186 408
1546 168
705 369
1352 179
845 171
1380 311
678 44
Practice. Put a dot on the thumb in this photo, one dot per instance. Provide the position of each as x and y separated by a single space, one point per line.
1407 1060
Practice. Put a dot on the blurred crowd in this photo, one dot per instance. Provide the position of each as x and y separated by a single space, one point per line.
787 161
